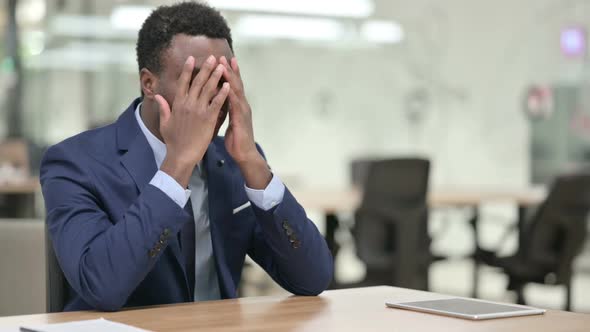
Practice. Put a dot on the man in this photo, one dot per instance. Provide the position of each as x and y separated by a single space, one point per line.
155 208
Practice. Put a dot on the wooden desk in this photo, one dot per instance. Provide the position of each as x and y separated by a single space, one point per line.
348 199
28 186
20 198
360 309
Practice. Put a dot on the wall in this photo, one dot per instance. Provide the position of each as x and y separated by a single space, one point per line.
317 107
474 59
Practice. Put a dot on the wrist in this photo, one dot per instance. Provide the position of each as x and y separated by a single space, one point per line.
256 172
253 159
178 168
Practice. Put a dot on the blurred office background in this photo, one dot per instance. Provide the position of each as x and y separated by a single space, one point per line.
495 95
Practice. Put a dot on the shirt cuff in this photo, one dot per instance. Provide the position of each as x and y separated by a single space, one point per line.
268 198
171 188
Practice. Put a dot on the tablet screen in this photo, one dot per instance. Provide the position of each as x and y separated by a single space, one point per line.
464 306
467 308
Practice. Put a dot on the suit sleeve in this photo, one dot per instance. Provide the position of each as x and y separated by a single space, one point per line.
289 247
104 260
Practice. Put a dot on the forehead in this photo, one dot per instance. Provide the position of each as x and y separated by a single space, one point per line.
200 47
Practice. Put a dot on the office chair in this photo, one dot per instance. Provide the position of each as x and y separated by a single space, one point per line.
359 171
553 238
57 285
391 230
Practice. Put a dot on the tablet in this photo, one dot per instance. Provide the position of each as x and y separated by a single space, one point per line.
467 308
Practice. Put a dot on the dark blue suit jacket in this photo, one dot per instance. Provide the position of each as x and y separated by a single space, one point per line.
106 223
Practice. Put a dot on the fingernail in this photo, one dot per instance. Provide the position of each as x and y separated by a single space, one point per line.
211 59
220 67
189 59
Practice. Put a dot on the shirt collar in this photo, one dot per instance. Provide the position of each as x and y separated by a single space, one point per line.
157 146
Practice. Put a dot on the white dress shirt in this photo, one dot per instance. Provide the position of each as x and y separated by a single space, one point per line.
206 282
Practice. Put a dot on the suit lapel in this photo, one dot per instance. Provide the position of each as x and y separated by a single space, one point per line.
140 163
220 197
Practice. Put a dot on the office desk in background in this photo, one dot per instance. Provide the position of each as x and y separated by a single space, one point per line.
360 309
331 202
26 186
21 198
348 199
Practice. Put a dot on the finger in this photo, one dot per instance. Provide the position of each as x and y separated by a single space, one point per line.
185 77
218 101
202 77
163 109
233 76
229 130
233 101
233 106
235 67
228 74
211 87
223 61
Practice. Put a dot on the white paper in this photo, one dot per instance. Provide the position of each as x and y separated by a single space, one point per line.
9 329
94 325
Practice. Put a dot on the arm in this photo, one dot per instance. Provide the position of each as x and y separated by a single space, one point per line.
287 244
103 260
303 267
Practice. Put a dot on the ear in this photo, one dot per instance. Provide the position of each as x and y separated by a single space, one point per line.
149 83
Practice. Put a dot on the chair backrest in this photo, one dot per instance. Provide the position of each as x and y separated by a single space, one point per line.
57 285
556 233
22 267
359 170
396 183
391 230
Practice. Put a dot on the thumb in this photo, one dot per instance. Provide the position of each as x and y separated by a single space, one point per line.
229 130
163 109
233 107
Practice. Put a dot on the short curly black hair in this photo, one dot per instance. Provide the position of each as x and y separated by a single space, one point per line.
191 18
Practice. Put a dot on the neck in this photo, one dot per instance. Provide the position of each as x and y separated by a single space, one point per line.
151 118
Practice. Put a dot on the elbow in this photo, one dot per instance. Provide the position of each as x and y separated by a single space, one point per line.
324 273
314 289
108 305
99 287
325 277
104 301
100 295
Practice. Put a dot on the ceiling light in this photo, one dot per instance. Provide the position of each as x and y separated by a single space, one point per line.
128 17
31 11
382 32
285 27
336 8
